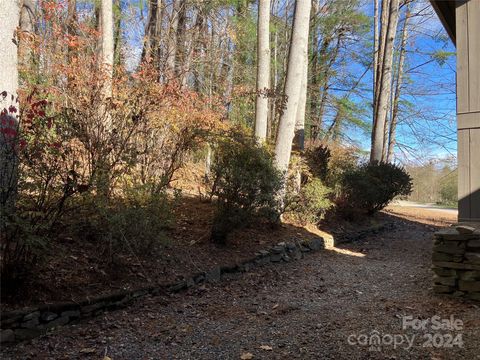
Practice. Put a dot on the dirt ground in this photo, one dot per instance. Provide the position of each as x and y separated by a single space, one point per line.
325 306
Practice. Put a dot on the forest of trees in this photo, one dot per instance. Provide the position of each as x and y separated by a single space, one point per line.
104 101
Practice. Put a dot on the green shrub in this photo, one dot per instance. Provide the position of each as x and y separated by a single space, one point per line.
134 223
370 187
245 182
329 162
311 204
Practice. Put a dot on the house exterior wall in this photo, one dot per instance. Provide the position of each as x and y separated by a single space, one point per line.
468 108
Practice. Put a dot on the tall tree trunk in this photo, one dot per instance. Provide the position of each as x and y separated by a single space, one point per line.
117 45
263 70
172 38
9 20
293 83
385 81
27 28
299 138
375 49
398 87
107 46
181 46
150 37
314 99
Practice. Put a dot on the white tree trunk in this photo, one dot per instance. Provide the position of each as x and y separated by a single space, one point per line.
107 46
263 70
9 20
302 103
293 83
385 84
398 87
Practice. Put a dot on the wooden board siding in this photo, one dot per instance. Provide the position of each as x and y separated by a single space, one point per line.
468 108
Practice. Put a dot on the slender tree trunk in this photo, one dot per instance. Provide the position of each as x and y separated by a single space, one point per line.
9 20
398 87
273 103
299 138
172 38
263 70
181 46
27 28
375 49
314 94
293 84
117 46
385 80
107 46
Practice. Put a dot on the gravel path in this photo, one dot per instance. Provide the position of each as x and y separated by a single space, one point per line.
309 309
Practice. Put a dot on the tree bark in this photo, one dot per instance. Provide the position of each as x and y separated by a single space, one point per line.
9 20
107 46
263 70
385 80
398 87
27 28
172 38
293 84
299 138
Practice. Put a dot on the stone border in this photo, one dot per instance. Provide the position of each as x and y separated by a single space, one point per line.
456 262
19 325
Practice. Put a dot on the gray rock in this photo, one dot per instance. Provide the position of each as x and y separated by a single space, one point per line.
25 334
63 320
470 275
316 244
73 314
473 296
443 271
199 278
213 275
140 293
7 336
30 324
31 315
449 281
91 308
443 289
473 258
190 282
470 286
262 260
48 316
291 247
277 249
450 248
276 257
436 256
456 265
178 286
464 229
474 243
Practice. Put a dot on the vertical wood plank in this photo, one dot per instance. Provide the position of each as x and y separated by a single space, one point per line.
463 174
475 173
461 13
474 54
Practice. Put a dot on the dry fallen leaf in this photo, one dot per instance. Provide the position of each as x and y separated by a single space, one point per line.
246 356
87 351
107 358
266 347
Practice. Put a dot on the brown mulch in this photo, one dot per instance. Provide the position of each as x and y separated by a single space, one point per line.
301 310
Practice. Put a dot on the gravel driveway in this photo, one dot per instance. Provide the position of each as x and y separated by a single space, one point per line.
325 306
